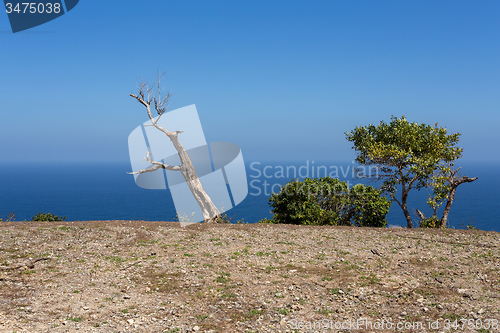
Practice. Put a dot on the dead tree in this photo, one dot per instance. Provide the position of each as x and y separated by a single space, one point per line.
147 97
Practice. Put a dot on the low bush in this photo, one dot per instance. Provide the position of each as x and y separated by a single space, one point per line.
47 217
329 201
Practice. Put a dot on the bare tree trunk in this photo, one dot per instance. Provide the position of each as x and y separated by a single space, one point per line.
454 184
208 209
210 212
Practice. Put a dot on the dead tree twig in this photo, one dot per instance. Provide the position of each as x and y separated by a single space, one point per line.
30 264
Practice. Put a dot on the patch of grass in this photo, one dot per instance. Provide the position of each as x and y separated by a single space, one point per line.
451 316
115 259
283 311
260 254
226 295
325 311
335 291
254 312
342 253
174 330
372 279
75 319
286 243
222 278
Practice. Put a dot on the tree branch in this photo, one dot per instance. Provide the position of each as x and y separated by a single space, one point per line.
462 180
147 104
420 215
155 166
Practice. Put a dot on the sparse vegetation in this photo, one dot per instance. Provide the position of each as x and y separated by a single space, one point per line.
47 217
246 282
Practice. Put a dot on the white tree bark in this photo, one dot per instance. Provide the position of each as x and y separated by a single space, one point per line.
210 212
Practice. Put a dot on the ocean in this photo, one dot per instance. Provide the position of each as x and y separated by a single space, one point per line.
104 191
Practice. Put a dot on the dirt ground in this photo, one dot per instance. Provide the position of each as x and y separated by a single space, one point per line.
135 276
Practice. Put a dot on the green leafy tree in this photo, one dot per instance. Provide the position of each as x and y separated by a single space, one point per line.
329 201
409 155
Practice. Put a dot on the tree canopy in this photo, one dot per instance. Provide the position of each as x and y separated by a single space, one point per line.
405 153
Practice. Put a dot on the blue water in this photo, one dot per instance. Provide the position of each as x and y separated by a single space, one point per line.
105 192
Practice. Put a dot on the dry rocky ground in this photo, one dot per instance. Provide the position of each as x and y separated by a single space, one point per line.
133 276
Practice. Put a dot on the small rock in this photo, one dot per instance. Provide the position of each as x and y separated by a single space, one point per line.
481 311
130 321
196 328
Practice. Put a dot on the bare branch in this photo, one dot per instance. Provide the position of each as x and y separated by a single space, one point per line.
150 169
160 103
30 264
421 215
155 166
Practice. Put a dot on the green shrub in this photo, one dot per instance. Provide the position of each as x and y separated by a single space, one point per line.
431 222
329 201
47 217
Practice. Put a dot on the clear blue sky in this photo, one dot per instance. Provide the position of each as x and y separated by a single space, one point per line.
283 79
